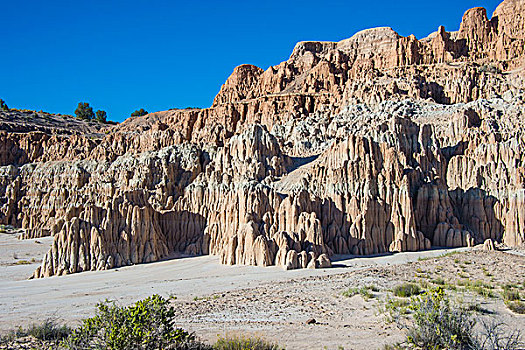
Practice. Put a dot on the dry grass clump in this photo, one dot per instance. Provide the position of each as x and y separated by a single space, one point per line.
244 343
407 290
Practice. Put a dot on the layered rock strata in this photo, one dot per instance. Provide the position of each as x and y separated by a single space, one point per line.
378 143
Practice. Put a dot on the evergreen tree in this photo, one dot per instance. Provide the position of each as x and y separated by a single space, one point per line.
101 116
84 111
3 105
139 113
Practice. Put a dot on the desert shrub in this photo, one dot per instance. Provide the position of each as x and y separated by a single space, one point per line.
482 284
363 291
373 288
244 343
148 324
484 292
450 286
23 262
350 292
406 290
439 280
479 287
48 330
438 325
393 347
139 113
394 309
424 284
516 306
490 68
495 336
510 294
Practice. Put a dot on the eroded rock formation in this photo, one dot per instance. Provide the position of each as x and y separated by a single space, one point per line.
378 143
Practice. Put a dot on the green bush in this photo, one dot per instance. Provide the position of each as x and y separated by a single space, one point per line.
148 324
406 290
244 343
363 291
437 325
350 292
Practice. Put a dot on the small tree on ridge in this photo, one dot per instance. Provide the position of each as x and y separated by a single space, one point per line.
101 116
3 105
139 113
84 111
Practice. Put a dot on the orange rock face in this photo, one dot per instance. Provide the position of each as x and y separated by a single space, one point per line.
377 143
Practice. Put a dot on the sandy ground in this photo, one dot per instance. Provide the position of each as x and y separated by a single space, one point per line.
19 258
280 311
214 299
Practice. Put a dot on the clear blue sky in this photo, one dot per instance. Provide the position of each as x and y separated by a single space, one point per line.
123 55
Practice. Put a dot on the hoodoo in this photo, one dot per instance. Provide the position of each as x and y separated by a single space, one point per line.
377 143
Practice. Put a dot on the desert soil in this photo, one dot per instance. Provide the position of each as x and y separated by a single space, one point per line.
213 300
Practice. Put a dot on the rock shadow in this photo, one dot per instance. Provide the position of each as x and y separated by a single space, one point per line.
297 162
184 232
476 210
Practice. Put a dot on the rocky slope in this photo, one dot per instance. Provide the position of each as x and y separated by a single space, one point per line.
376 143
29 136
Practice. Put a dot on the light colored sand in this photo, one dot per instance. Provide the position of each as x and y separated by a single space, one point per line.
213 299
19 258
69 298
279 310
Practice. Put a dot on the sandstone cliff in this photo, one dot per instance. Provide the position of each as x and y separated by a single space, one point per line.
378 143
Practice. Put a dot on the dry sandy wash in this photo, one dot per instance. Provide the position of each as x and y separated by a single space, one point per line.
213 299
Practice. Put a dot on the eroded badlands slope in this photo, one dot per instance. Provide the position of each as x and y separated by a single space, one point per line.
376 143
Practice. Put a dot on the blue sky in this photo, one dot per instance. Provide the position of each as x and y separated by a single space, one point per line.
124 55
